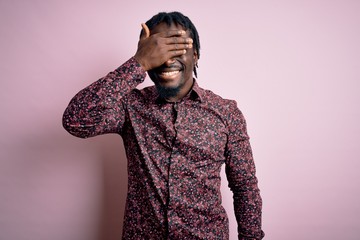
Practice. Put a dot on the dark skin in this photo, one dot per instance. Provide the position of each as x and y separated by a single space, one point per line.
167 54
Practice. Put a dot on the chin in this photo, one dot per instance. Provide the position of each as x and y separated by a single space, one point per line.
172 84
167 91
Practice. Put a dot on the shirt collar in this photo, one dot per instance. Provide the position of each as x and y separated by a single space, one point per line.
197 92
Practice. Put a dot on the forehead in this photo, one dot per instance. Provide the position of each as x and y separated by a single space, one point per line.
163 27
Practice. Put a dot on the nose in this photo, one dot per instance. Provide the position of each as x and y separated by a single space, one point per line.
169 62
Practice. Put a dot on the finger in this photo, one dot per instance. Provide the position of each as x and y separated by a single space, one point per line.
177 53
178 46
146 31
177 40
173 33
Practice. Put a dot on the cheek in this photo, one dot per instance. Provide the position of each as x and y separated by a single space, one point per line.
188 61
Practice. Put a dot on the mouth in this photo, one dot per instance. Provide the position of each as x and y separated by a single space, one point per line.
168 74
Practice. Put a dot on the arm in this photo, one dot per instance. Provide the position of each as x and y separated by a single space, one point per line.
99 108
240 172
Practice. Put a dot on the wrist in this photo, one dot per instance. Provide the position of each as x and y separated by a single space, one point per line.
141 62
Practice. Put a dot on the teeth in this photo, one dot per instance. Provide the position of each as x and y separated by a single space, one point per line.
172 73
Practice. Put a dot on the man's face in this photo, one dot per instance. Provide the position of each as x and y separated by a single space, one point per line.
176 74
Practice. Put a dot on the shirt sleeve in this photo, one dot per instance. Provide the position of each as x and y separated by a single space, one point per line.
100 107
240 172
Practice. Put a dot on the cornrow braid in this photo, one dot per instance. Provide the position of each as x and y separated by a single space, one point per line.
178 18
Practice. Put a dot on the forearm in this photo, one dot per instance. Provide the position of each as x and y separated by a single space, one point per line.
248 210
99 108
247 200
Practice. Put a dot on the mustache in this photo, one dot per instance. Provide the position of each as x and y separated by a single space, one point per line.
176 65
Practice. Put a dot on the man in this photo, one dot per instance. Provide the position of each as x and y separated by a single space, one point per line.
176 135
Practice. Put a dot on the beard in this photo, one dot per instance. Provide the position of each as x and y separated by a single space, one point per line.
167 92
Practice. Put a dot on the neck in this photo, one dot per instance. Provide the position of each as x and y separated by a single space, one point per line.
185 89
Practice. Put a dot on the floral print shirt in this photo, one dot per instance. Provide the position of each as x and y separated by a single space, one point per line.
175 152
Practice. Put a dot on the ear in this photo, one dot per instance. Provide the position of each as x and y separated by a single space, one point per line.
195 57
145 32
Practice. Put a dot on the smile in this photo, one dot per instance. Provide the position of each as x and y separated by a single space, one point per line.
168 74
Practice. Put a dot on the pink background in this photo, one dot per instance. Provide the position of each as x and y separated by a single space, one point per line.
292 66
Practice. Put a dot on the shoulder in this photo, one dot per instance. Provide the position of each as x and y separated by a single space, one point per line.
144 93
226 108
148 92
219 102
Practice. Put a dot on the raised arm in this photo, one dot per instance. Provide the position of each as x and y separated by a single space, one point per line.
100 107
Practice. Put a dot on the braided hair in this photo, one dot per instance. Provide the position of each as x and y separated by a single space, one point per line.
178 18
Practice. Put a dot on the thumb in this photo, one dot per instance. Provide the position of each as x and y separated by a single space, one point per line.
145 30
